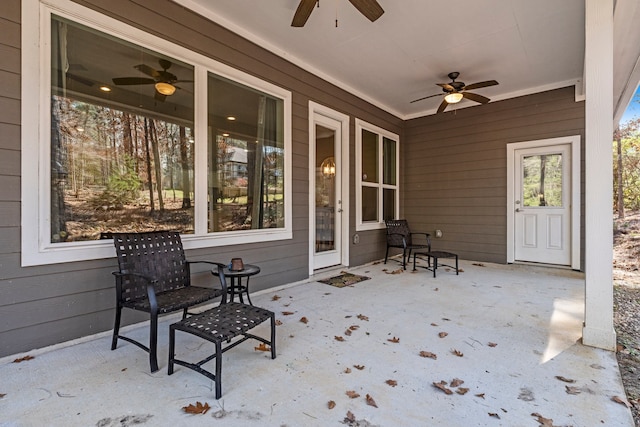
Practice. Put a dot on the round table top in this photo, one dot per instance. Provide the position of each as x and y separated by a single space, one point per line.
248 270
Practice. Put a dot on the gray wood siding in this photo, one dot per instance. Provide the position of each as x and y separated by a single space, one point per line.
45 305
455 167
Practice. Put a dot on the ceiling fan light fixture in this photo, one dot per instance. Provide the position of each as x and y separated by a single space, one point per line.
165 88
453 98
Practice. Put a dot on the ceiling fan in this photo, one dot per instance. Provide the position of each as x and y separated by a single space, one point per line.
163 80
369 8
455 91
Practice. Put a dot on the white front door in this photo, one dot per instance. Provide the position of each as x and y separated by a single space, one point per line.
326 181
542 204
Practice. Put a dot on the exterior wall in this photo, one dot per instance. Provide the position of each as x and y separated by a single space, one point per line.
48 304
455 168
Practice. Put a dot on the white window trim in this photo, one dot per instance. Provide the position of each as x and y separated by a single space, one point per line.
37 248
382 133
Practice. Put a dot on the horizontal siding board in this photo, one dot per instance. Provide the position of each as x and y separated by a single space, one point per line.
9 217
9 240
9 136
9 110
9 84
10 31
10 162
10 59
9 188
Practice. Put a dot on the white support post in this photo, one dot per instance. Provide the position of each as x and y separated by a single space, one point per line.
598 330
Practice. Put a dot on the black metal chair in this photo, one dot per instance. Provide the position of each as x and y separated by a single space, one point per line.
399 235
155 277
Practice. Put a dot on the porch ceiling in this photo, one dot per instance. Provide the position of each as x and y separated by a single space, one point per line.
526 46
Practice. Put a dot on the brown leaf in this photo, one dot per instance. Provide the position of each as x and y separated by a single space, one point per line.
434 324
278 322
363 317
478 264
462 390
456 382
262 347
354 327
494 415
350 418
442 386
198 408
398 271
352 394
392 383
304 320
492 344
370 401
359 367
428 354
275 298
572 390
287 313
331 404
348 332
456 352
621 401
566 380
347 370
339 338
24 359
544 422
394 340
480 395
2 395
443 334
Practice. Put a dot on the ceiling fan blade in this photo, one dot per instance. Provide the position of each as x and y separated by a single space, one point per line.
369 8
420 99
475 97
144 68
442 106
481 84
303 12
446 86
132 81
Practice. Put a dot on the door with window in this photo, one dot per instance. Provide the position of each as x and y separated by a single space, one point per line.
327 209
542 199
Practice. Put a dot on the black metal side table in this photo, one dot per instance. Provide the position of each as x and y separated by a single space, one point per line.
236 286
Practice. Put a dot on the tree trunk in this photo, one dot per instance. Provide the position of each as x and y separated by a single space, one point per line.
157 163
152 202
184 162
620 186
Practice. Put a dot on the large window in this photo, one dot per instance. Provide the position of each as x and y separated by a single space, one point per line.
376 175
125 143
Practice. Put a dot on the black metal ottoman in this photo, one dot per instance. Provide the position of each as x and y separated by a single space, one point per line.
217 325
435 255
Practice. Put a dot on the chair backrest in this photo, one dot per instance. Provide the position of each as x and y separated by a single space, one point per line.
397 230
157 254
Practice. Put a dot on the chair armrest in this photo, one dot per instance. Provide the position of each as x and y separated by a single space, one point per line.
427 237
151 291
219 273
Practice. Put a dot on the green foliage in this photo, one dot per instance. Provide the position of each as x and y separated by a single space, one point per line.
630 139
122 188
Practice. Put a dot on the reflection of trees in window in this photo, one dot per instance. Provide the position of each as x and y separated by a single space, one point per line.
542 180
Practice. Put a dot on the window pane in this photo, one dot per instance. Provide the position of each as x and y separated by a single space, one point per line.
369 204
245 157
542 180
369 156
389 161
389 204
121 151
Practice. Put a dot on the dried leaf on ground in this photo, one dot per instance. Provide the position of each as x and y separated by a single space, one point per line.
428 354
398 271
456 382
275 298
352 394
462 390
492 344
347 370
394 340
2 395
339 338
287 313
304 320
434 324
354 327
392 383
494 415
198 408
350 418
443 334
278 322
436 289
544 422
621 401
331 404
363 317
359 367
480 395
262 347
348 332
566 380
370 401
572 390
456 352
478 264
24 359
442 385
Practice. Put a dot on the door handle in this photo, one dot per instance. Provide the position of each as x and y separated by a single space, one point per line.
517 209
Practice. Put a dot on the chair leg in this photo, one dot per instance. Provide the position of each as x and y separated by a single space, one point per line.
172 348
273 336
184 313
153 343
218 379
116 328
386 255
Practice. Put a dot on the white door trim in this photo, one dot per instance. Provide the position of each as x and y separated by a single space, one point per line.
318 109
574 141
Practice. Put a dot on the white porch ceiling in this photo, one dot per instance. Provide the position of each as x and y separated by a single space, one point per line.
527 46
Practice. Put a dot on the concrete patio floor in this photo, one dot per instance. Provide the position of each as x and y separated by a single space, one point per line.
516 329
